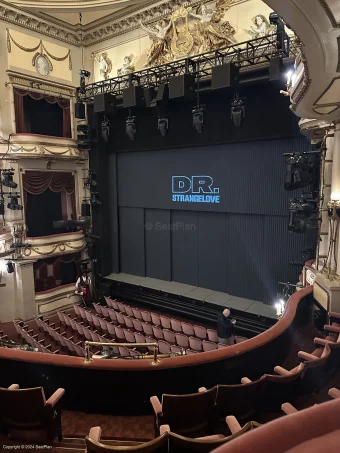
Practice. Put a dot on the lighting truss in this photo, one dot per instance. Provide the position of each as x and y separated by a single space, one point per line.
246 54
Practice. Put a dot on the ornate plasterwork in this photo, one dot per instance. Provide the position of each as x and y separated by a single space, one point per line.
329 13
23 81
46 247
53 29
33 146
55 299
6 240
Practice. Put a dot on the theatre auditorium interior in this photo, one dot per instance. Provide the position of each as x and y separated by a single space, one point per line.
170 226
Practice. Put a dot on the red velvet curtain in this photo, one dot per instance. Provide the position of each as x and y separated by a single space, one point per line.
36 182
21 124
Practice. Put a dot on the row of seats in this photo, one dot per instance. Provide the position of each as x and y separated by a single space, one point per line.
157 320
60 338
29 338
193 413
20 417
134 331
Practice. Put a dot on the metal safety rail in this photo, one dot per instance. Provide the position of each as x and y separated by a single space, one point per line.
155 356
248 53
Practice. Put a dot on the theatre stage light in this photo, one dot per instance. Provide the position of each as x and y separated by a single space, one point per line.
131 128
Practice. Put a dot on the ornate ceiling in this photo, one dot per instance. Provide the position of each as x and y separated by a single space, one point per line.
68 11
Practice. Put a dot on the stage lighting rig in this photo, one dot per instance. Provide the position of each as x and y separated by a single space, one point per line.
131 128
105 129
276 20
84 74
198 118
91 180
95 199
7 180
13 203
303 213
238 110
301 169
163 126
10 267
83 137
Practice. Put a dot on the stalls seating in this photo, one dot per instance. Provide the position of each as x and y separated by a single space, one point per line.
333 341
27 415
334 393
182 444
317 373
93 444
186 414
279 388
240 400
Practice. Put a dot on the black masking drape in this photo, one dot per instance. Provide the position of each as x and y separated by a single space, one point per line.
40 222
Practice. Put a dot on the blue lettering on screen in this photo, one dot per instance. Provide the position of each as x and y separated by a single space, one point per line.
196 189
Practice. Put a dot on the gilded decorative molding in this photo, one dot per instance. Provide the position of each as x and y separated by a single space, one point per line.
35 22
35 83
62 245
42 151
305 83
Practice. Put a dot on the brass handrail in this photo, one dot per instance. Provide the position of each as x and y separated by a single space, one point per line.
131 345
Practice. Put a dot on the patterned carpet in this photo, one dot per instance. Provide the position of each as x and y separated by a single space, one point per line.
78 424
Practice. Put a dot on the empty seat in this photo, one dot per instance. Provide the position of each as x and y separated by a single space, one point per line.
176 349
105 312
146 316
221 346
134 353
121 307
182 340
176 326
96 322
165 322
169 336
208 345
128 322
200 332
195 344
316 374
137 325
147 329
97 308
187 329
139 338
137 314
186 414
240 400
129 336
212 335
28 415
123 351
164 347
120 319
103 325
157 333
156 320
191 351
128 311
111 330
93 445
120 337
113 316
108 300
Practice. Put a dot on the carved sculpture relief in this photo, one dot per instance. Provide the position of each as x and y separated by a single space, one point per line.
105 64
261 27
188 33
127 66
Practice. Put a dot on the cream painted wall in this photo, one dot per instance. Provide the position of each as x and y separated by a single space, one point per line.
18 58
138 43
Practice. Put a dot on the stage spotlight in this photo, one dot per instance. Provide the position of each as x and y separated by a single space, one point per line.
276 20
83 137
105 128
238 110
10 267
85 209
13 204
84 74
131 128
8 179
303 214
301 169
280 306
163 126
94 199
198 118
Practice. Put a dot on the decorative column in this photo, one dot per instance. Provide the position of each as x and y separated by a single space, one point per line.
25 292
335 192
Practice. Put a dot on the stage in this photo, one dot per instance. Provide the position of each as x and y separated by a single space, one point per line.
202 298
